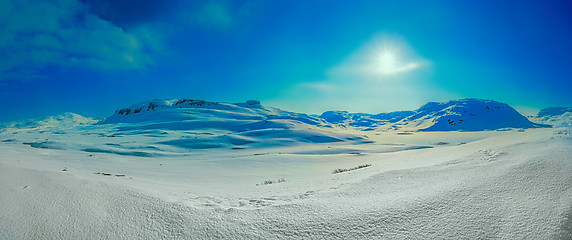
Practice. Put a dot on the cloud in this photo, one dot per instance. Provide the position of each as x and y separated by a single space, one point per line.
36 35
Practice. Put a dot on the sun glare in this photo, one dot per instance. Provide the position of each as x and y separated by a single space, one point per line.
391 56
387 62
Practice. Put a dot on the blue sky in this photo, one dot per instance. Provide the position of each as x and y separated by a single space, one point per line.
94 56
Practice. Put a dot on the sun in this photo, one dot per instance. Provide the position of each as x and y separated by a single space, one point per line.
391 61
387 62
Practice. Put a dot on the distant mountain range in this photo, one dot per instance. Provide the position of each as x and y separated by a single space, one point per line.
66 119
456 115
555 116
187 114
364 120
183 126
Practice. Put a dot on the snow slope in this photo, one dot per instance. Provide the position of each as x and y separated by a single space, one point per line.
191 109
465 115
216 124
514 185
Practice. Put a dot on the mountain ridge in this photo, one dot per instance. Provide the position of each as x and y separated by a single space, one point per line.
469 114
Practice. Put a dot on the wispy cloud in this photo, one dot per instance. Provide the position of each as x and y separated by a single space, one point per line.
36 35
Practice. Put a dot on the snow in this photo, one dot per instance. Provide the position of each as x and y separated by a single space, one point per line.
554 111
367 121
465 115
66 119
555 116
206 170
469 114
189 109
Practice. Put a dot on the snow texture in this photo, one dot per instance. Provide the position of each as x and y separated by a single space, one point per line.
192 169
515 185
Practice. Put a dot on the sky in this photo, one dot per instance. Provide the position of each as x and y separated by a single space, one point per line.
92 57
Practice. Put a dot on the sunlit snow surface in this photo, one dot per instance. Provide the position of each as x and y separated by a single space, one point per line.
245 171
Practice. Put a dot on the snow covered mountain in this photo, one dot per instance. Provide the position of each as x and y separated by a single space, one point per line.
172 127
555 116
363 120
457 115
63 120
252 118
465 115
193 109
179 127
198 124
